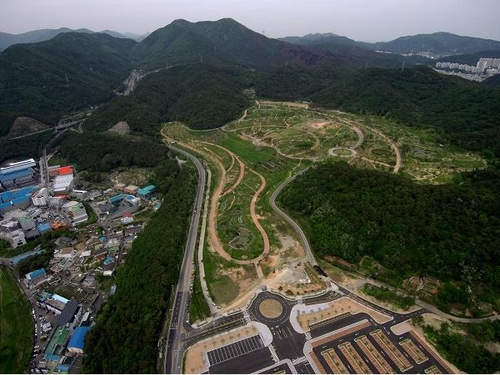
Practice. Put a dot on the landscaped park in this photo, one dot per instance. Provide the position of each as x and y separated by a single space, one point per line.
247 243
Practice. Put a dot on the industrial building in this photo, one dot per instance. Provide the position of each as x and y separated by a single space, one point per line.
16 199
146 192
18 174
40 198
71 309
54 303
36 278
77 341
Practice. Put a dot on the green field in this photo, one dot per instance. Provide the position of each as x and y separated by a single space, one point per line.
16 326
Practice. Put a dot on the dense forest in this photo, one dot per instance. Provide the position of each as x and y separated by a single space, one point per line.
201 96
124 339
451 232
463 351
106 151
69 72
22 148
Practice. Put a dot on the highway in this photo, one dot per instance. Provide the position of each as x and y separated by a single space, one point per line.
180 312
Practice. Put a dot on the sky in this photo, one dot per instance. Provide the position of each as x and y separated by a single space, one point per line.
362 20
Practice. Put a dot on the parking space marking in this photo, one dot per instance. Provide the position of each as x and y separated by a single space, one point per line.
234 350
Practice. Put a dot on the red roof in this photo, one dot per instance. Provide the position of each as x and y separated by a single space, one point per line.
66 170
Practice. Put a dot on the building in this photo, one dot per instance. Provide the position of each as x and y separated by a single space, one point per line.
17 174
115 200
40 198
36 278
63 184
131 189
57 170
146 192
20 257
16 199
55 303
77 341
76 212
68 313
11 231
131 200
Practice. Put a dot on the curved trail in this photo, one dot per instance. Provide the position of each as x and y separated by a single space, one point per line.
214 240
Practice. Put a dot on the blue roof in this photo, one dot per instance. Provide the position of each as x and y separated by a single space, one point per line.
7 176
108 260
37 273
146 190
63 368
22 256
44 227
52 357
24 193
78 338
116 198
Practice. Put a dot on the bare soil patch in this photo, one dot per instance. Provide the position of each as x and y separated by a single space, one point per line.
26 125
121 128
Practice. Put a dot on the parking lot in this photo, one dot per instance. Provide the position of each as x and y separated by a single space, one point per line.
372 350
237 349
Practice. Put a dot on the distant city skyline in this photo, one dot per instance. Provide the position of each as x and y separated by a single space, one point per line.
362 20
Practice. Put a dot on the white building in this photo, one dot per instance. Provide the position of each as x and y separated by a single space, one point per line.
41 197
63 184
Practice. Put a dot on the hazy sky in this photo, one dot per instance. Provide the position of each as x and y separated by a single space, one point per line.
364 20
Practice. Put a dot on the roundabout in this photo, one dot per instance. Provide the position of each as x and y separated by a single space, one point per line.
270 309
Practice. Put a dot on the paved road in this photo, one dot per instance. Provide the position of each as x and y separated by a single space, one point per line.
298 229
180 313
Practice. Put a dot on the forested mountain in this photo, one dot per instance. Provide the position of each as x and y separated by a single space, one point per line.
200 95
221 42
439 44
69 72
35 36
449 232
319 38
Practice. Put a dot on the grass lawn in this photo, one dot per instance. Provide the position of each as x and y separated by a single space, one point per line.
16 326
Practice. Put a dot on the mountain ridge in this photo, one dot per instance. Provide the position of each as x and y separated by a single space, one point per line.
41 35
439 43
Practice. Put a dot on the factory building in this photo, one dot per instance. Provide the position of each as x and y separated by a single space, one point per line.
77 341
146 192
41 197
18 174
16 199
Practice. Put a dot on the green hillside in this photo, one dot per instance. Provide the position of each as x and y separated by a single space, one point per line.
221 42
69 72
449 232
202 96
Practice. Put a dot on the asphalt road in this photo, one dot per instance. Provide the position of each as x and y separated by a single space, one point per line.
298 229
180 312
